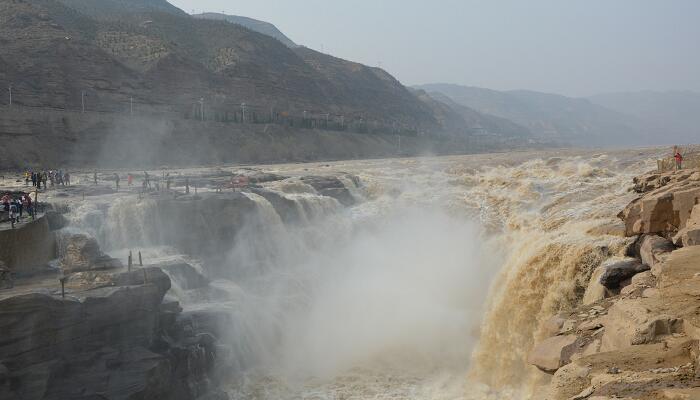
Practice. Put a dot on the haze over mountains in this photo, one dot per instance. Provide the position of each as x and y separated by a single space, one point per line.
626 118
119 55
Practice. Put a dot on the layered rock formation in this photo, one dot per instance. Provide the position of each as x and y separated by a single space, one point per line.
636 334
112 337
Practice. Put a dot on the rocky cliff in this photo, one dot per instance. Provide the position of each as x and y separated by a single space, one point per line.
636 333
95 329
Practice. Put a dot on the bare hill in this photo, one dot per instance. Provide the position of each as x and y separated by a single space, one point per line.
263 27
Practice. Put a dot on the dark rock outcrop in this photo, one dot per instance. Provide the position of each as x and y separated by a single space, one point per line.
114 340
614 274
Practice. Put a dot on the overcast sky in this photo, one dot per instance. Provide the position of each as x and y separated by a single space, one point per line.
572 47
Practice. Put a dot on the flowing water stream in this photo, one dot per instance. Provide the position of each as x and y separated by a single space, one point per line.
433 286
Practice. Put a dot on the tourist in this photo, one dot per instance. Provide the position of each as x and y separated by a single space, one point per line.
167 181
20 206
13 213
146 180
66 178
6 203
27 176
29 205
129 179
94 177
679 160
116 180
33 179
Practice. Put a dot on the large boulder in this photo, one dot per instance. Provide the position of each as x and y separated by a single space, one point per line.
616 273
653 249
553 353
690 235
82 253
663 211
630 322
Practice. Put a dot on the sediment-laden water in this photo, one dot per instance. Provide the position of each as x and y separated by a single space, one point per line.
434 285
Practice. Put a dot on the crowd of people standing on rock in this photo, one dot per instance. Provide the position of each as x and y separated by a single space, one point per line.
15 206
52 177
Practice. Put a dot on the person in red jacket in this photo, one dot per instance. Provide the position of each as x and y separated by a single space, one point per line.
679 160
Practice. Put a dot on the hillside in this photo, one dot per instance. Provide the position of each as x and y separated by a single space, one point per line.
167 61
116 8
673 113
263 27
549 115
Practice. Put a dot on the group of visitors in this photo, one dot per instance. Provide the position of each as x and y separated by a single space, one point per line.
52 177
16 206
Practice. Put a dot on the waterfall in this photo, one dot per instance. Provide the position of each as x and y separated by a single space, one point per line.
435 285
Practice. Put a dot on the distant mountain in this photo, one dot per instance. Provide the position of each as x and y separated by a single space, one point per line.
463 120
578 121
672 113
263 27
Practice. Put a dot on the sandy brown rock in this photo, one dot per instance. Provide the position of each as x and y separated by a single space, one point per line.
82 253
553 353
664 210
690 235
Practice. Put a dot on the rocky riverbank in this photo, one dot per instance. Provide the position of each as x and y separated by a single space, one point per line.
636 333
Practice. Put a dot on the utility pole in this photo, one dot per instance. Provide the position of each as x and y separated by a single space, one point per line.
131 106
201 108
243 111
10 89
82 100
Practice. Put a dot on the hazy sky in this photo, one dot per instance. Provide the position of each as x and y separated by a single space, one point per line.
573 47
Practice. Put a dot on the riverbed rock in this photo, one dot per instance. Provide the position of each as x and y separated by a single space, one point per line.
330 186
653 249
630 322
82 253
615 273
595 291
184 275
89 280
553 353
